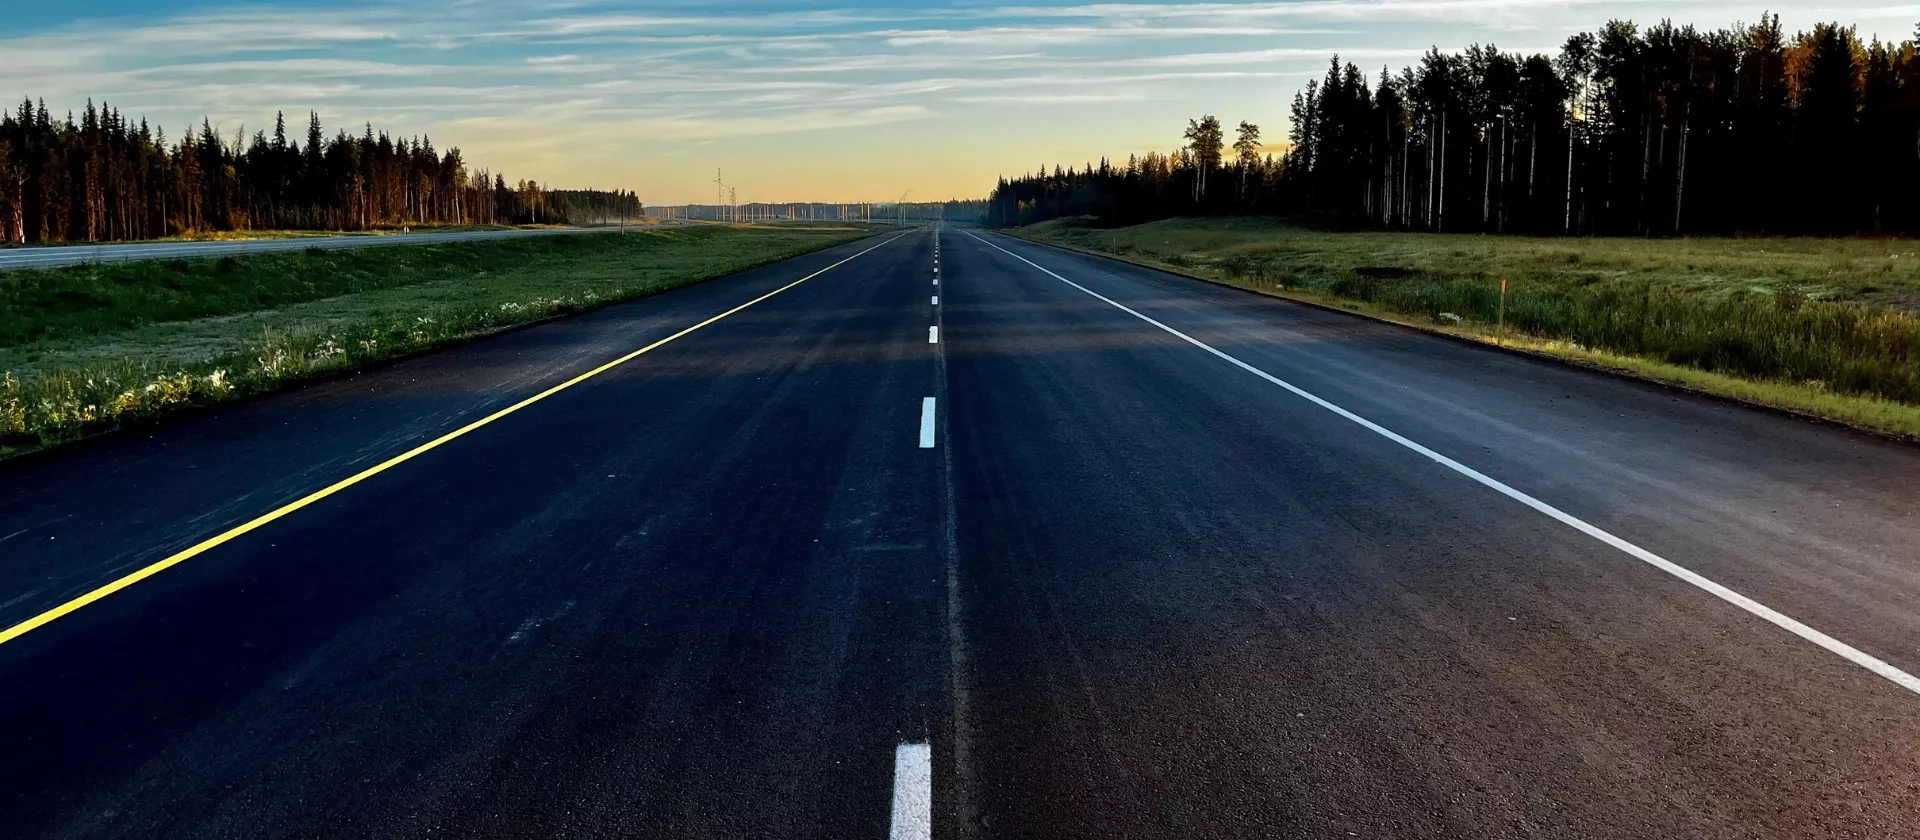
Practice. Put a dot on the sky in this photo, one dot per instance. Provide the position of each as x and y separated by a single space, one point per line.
794 100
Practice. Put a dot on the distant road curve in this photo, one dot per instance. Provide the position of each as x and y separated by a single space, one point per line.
55 256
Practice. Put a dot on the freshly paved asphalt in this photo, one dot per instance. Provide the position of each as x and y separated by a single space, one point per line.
1132 590
56 256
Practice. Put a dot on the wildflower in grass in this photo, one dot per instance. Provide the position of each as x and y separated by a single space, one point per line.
13 410
275 364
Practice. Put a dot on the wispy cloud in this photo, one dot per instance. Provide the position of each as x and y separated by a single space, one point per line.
587 90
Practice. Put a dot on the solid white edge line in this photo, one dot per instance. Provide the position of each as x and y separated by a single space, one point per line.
933 334
912 793
1775 617
926 423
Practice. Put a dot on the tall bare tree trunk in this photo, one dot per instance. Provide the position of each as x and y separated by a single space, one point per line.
1406 161
1506 173
1486 181
1433 170
1568 227
1680 182
1440 217
1533 161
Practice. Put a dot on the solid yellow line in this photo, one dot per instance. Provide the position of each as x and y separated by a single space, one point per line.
157 567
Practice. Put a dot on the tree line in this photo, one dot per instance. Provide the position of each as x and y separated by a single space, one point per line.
1196 179
103 178
1662 131
593 207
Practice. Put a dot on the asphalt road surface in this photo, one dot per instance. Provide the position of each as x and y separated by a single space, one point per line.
1059 547
56 256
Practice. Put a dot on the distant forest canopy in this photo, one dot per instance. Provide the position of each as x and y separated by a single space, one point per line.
104 178
1663 132
955 209
593 207
952 210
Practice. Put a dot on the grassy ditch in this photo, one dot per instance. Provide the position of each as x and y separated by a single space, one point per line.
1820 326
87 349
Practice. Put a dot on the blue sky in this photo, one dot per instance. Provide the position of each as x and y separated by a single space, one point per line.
795 99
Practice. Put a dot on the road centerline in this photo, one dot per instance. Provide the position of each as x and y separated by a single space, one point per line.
1832 645
912 793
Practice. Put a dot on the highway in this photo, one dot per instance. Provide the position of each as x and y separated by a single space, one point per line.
56 256
943 533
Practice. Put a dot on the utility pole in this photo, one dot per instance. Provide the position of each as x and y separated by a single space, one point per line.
720 194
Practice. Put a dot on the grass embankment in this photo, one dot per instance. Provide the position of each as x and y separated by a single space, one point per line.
250 235
90 348
1825 327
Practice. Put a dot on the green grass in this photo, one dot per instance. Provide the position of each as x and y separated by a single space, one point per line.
1882 272
91 348
1826 327
248 235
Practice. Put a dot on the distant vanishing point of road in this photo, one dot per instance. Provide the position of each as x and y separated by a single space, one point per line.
946 535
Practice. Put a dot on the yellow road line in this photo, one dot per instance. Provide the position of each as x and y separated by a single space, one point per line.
176 559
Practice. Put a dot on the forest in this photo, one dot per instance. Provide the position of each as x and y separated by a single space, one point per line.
1657 132
105 178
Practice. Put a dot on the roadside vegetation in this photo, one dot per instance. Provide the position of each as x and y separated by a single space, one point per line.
87 349
251 235
1828 327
